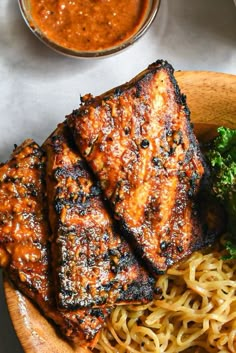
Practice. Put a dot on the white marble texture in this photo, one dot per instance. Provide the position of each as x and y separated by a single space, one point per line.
39 87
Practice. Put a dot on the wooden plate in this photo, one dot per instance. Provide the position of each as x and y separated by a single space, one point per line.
212 100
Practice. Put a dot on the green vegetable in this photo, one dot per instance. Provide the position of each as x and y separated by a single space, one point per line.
222 159
231 248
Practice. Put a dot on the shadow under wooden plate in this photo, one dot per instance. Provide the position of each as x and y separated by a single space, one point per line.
211 98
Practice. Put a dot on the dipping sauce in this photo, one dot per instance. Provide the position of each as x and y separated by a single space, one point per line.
88 25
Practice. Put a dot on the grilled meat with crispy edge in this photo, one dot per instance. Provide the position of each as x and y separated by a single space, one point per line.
24 246
93 265
138 140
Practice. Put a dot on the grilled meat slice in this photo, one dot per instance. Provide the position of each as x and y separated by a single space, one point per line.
138 140
24 246
94 265
23 231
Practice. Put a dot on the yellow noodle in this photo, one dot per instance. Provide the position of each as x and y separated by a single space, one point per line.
196 312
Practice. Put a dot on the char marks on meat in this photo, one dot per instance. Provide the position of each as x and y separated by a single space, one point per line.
93 264
139 142
24 245
23 229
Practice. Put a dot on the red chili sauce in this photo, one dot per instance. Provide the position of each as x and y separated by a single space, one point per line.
88 25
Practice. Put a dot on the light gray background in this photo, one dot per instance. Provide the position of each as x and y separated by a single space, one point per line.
39 87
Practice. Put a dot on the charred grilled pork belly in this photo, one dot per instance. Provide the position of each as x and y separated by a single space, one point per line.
24 247
93 264
23 230
139 142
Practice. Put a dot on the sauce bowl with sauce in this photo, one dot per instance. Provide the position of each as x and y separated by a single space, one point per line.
89 28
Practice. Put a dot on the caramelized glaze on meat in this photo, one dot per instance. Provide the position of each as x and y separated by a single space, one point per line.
24 248
93 264
23 230
138 140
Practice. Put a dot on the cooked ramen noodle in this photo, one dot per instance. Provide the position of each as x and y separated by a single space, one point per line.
196 312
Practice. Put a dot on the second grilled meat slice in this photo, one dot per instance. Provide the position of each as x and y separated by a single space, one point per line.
138 140
93 264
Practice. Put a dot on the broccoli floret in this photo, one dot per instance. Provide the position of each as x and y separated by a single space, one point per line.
222 159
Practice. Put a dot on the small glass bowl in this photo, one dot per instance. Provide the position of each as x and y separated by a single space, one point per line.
150 16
